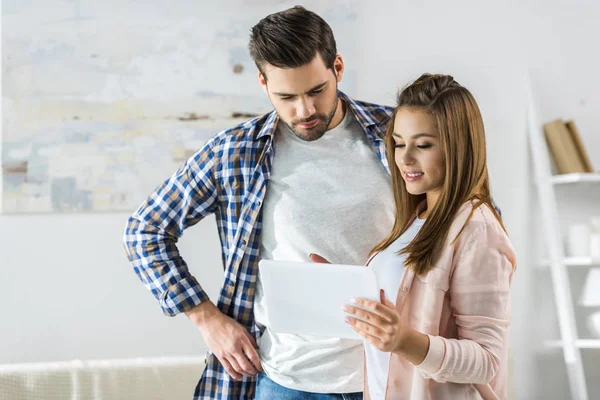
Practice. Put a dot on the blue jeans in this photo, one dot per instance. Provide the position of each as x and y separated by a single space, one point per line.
266 389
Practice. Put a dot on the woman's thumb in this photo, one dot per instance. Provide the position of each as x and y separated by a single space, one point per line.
384 300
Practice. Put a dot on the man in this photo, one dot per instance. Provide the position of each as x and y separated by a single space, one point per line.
309 177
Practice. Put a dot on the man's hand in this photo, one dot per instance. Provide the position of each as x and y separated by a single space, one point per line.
227 339
318 259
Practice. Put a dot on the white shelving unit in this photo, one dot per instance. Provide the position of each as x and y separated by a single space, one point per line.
581 344
558 264
575 262
574 178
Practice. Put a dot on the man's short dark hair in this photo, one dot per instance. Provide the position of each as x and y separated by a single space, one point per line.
291 39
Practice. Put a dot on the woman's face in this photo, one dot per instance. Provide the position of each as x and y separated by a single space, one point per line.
418 153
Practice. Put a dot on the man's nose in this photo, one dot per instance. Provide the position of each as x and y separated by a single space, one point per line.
306 108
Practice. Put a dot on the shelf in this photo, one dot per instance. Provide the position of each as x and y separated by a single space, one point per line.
581 343
575 178
576 262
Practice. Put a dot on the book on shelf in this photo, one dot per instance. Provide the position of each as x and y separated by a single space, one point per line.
583 155
566 147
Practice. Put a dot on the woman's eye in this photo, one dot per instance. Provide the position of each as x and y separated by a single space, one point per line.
399 146
424 146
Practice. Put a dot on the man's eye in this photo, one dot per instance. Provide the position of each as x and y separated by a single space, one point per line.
315 92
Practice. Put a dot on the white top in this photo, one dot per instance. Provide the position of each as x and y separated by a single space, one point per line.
332 197
389 267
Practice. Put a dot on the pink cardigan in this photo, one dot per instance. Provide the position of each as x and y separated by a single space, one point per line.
463 305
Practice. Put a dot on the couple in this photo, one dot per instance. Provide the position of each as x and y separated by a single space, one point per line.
404 190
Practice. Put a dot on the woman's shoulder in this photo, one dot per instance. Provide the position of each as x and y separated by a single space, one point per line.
477 221
476 230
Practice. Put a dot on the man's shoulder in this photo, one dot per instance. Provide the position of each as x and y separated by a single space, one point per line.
378 113
243 134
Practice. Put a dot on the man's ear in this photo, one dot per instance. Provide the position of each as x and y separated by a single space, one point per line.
338 68
262 79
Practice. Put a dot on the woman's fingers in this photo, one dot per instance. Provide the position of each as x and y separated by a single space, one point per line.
366 327
375 341
368 316
360 305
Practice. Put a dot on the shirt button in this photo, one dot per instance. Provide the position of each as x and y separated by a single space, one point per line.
243 242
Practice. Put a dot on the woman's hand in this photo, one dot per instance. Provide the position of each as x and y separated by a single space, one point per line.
378 322
381 326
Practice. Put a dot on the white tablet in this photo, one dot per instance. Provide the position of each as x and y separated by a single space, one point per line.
307 298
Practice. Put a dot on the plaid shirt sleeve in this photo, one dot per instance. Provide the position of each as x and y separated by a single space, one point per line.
152 232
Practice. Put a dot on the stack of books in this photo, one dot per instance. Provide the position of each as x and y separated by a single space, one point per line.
566 147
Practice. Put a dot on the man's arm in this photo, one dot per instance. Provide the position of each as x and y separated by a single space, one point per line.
152 232
150 241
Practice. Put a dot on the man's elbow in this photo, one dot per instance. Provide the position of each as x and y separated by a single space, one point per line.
129 237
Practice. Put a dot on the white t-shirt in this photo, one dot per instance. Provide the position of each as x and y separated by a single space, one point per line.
332 197
388 267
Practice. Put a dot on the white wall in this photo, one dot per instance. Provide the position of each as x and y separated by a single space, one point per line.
68 291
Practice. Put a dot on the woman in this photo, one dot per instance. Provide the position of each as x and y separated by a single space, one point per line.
441 328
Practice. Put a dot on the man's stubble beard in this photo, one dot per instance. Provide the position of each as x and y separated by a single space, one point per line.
314 133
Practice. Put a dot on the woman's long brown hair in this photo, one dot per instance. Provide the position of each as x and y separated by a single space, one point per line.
462 138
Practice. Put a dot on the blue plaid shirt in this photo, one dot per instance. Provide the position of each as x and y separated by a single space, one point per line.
227 177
